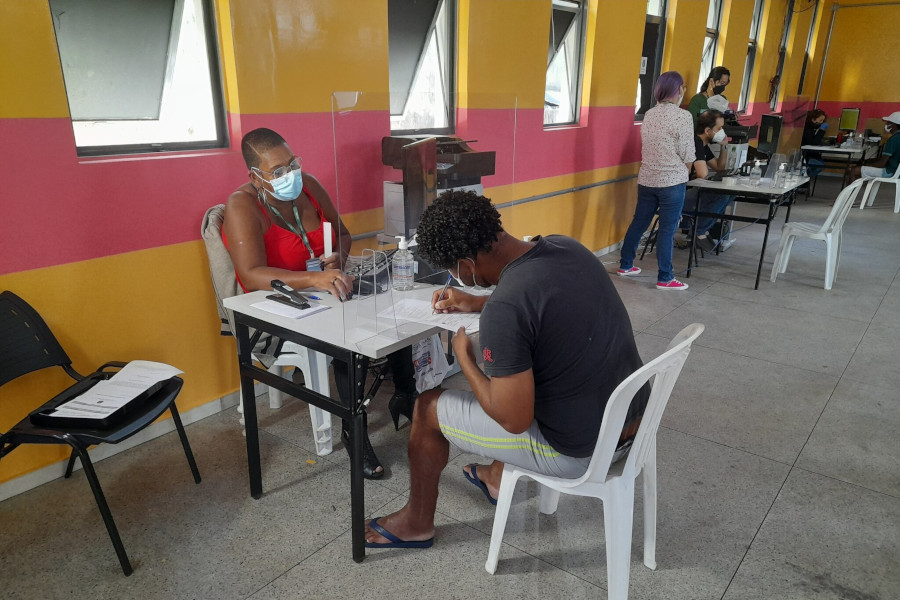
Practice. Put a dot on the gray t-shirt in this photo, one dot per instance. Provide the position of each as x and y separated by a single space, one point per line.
556 311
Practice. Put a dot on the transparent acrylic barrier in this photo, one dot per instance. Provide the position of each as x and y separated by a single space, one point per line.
385 180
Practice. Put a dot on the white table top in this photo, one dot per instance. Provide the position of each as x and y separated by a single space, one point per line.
349 325
747 189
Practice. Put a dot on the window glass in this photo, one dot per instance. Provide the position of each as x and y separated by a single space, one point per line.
750 61
421 46
809 39
140 75
713 18
565 57
651 56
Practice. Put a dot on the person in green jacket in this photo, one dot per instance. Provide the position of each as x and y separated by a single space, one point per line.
718 78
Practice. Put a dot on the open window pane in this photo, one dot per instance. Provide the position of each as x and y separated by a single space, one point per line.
421 48
562 90
706 63
139 74
651 56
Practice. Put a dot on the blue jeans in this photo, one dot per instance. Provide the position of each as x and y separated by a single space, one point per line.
669 200
712 203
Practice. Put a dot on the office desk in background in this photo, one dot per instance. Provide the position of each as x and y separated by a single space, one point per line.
842 158
771 197
334 332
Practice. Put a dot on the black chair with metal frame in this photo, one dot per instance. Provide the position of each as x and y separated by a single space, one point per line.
27 345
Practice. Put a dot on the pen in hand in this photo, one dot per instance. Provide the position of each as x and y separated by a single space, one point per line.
441 295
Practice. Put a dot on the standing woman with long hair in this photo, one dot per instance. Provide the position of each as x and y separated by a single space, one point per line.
667 152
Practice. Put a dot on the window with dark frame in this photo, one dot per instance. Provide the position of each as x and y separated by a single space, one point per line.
565 60
140 75
651 56
422 56
710 42
809 39
750 62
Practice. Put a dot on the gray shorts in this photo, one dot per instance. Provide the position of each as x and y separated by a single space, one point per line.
465 425
867 171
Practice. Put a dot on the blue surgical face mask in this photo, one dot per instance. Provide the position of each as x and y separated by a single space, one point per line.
287 187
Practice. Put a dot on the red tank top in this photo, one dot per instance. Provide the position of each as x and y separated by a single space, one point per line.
285 249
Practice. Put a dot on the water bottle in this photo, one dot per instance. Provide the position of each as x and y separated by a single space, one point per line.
403 266
755 174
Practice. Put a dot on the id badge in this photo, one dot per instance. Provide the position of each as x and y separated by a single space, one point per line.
314 264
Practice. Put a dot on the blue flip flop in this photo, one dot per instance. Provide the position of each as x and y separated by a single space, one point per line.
473 478
394 542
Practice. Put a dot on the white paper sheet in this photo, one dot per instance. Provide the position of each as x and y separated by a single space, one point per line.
277 308
107 396
420 311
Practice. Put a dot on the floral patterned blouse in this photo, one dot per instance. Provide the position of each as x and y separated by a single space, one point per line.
667 146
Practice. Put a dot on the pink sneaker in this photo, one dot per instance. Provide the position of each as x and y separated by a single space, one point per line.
627 272
671 285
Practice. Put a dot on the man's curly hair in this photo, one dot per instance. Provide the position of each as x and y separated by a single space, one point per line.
457 225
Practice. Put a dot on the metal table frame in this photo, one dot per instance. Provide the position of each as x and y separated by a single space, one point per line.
773 197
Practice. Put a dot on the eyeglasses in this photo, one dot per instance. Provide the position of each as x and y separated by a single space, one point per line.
282 171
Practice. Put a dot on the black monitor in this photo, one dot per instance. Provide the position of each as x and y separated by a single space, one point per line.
849 119
769 134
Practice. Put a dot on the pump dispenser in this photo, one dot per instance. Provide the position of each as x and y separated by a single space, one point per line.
403 266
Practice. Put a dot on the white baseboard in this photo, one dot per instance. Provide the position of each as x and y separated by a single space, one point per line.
43 475
607 250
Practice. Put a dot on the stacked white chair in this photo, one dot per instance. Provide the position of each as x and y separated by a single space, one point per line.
613 483
830 232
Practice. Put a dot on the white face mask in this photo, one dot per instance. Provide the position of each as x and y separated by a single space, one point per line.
719 137
887 127
463 283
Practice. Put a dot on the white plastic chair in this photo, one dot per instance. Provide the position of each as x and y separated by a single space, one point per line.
613 483
872 190
313 364
829 232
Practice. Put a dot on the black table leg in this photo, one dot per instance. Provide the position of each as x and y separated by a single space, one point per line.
762 254
251 427
357 377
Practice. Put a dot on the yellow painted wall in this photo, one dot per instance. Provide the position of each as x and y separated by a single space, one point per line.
162 314
291 55
734 34
31 82
616 61
861 66
505 56
685 32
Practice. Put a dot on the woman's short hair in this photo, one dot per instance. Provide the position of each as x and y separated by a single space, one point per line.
707 118
716 74
667 86
814 114
258 141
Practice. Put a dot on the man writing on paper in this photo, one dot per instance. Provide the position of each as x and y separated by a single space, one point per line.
556 341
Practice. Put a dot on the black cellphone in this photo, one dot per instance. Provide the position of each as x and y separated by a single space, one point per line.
288 300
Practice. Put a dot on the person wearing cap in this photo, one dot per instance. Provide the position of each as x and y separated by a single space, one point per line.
714 85
886 164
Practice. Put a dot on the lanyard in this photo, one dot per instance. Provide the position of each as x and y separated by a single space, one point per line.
301 232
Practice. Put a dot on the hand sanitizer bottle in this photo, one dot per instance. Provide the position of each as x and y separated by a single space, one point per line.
403 266
755 174
781 176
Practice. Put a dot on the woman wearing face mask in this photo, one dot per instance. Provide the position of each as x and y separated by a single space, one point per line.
714 85
885 165
273 229
709 129
813 134
667 152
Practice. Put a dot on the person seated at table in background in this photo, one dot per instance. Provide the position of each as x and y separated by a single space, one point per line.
556 341
813 134
708 130
273 226
886 164
715 84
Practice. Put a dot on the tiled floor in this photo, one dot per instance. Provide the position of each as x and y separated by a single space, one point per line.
779 469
